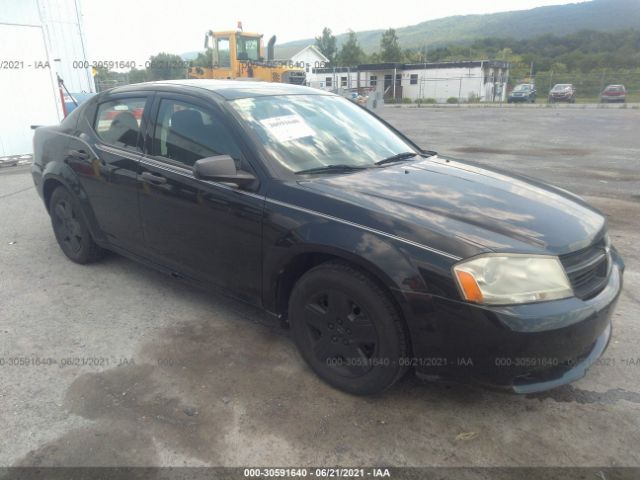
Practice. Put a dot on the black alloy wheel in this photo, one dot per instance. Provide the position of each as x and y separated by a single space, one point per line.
348 329
70 228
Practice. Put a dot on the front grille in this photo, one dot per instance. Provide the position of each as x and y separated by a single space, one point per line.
587 269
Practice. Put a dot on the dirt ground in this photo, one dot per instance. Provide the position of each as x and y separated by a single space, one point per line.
150 371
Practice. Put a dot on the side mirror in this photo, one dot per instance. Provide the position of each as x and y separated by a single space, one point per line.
221 168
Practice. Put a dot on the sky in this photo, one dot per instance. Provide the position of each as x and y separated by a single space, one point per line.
135 29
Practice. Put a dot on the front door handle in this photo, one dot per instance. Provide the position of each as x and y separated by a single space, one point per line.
80 154
152 178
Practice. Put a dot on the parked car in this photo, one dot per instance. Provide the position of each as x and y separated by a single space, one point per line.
562 92
379 256
614 93
524 92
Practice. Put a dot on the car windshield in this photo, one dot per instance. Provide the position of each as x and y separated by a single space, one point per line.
561 86
305 132
614 88
522 88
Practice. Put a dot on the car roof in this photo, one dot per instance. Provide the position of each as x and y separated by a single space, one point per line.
228 89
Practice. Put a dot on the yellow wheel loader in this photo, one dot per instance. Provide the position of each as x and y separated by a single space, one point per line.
239 55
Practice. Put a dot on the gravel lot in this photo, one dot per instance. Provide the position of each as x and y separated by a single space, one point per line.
177 376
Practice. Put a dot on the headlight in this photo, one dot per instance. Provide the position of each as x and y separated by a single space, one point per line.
512 278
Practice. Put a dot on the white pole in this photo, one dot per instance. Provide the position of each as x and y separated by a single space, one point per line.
504 87
481 79
394 83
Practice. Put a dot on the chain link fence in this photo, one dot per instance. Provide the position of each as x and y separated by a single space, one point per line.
588 85
489 89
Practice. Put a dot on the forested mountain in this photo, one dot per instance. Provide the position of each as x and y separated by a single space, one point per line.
558 20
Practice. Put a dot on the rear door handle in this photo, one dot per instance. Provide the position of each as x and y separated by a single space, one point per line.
81 154
152 178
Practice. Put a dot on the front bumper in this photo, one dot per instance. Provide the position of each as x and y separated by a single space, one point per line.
607 98
519 99
561 98
522 348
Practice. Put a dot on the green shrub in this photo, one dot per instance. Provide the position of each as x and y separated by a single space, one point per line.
452 100
406 100
426 100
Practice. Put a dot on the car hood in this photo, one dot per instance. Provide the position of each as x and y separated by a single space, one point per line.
442 201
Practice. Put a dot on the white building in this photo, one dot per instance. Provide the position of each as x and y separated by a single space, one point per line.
310 57
482 80
39 40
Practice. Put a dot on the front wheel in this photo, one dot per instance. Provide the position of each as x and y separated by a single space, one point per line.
70 228
348 329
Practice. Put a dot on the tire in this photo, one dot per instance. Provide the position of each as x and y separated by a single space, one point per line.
70 228
330 306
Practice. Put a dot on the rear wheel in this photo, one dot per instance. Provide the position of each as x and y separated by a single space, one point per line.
348 329
70 229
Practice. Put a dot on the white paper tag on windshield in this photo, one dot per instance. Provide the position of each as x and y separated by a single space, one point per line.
287 127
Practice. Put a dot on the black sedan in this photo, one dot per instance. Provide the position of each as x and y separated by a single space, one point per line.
380 257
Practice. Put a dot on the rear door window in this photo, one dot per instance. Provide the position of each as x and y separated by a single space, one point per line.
118 122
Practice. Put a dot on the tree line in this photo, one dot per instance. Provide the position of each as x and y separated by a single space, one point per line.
585 51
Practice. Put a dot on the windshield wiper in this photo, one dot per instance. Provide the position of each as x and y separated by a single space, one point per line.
400 157
333 169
